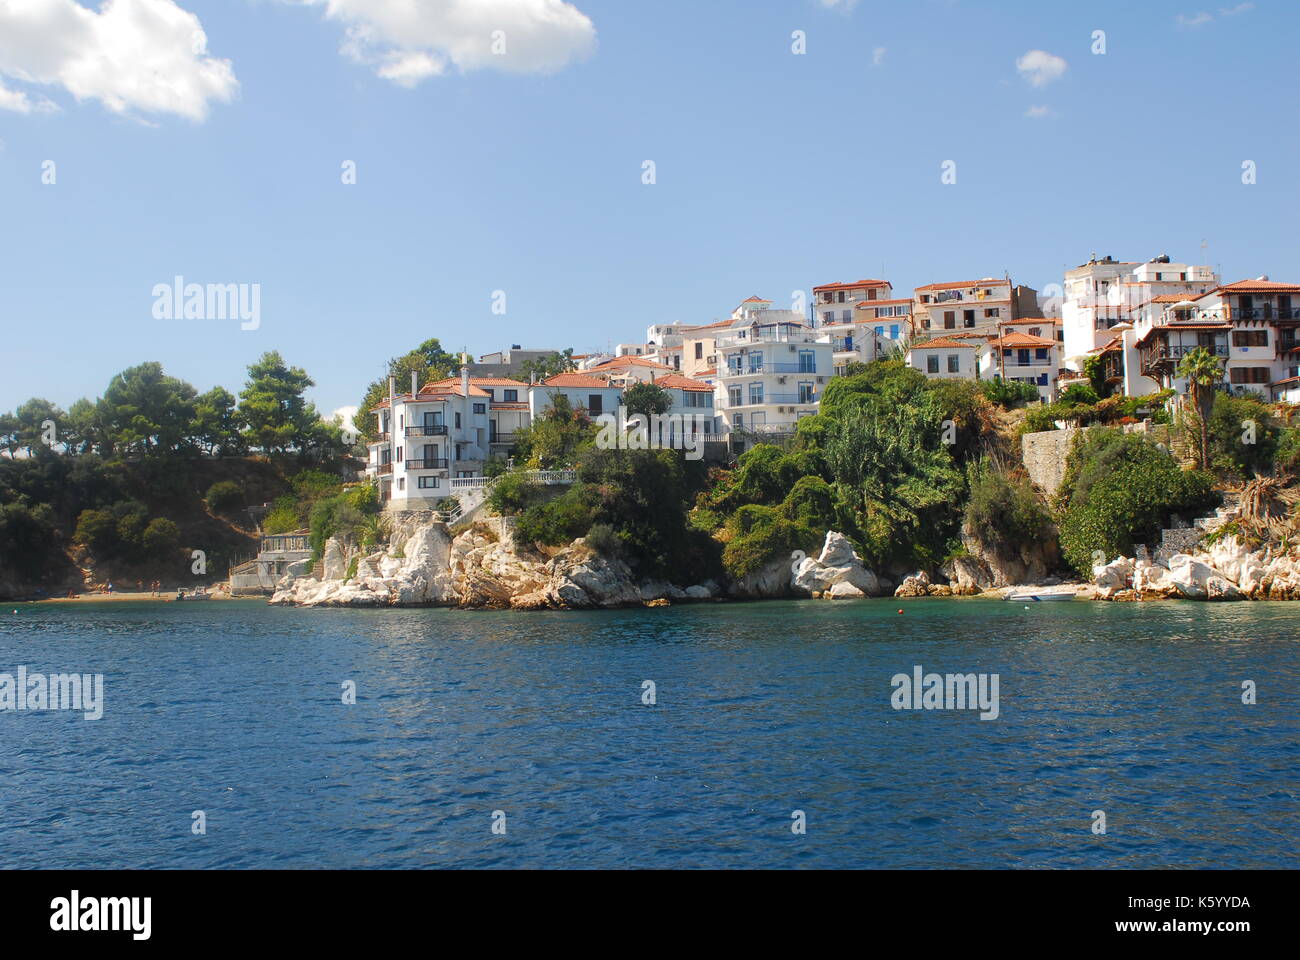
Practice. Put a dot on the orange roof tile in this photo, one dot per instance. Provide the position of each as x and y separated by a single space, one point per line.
678 382
575 380
1259 286
964 283
623 362
877 284
1017 339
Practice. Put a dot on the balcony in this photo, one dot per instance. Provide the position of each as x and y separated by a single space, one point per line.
768 399
1263 313
428 430
502 438
427 464
383 469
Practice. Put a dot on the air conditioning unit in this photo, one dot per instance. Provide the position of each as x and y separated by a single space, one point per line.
792 348
780 379
821 379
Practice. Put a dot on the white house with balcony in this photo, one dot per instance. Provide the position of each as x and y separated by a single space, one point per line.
1102 294
837 310
973 307
1250 325
771 374
427 438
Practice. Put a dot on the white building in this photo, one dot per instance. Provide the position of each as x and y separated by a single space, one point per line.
836 313
964 306
428 437
593 394
1024 358
1101 294
946 358
771 374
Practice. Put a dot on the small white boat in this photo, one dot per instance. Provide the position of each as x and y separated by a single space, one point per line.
1044 597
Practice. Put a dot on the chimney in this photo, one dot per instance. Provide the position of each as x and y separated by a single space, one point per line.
464 376
415 384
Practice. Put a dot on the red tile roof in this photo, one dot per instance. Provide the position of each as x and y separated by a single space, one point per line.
678 382
624 362
1017 339
1259 286
575 380
964 283
857 284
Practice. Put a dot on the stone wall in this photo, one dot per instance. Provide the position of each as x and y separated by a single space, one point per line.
1045 455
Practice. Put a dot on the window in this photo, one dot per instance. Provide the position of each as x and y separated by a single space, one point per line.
734 396
512 396
871 294
480 408
893 331
1040 353
846 316
738 421
993 312
755 363
401 483
427 483
457 424
932 364
805 392
841 296
1249 374
699 351
755 393
925 322
1022 358
880 331
828 316
954 363
949 320
808 360
595 404
1035 331
399 453
1250 338
968 317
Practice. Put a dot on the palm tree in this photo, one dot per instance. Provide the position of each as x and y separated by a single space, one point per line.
1203 371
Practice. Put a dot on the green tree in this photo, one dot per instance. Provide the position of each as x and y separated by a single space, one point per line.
1203 372
147 411
160 538
429 362
646 399
556 437
543 368
272 406
215 427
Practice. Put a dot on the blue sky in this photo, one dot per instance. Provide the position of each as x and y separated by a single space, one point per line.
775 171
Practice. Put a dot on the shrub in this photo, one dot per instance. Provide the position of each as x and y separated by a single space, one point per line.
225 495
1008 393
512 494
559 521
1120 491
602 538
284 516
1079 394
1003 512
160 537
97 530
1243 436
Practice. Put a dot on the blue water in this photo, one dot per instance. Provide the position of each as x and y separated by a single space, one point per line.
762 709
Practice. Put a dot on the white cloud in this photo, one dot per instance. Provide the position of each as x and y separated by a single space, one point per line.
1040 67
878 56
1038 113
345 415
1239 8
407 42
838 4
1195 20
131 55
